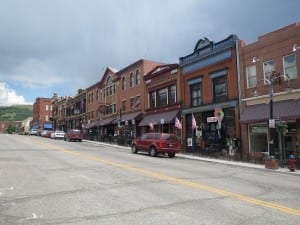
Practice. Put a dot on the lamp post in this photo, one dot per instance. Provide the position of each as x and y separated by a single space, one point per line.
270 81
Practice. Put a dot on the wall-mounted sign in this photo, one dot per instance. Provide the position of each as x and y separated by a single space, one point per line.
103 108
212 119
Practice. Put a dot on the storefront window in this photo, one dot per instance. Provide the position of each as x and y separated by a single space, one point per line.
258 138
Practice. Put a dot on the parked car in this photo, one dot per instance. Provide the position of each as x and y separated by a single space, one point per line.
155 143
33 132
58 134
45 133
73 135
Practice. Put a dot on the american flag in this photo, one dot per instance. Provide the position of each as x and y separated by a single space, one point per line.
194 124
178 123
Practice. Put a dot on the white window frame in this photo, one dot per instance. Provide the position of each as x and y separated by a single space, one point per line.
249 75
268 70
285 69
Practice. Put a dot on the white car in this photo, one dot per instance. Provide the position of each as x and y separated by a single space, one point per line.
58 134
33 132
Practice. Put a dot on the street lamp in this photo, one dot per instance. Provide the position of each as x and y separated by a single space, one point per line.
270 81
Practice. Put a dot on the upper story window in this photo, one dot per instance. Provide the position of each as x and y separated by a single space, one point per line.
47 107
131 80
220 89
123 83
196 94
109 80
173 94
110 87
97 94
137 77
124 103
289 65
251 76
152 99
268 68
135 102
163 97
111 109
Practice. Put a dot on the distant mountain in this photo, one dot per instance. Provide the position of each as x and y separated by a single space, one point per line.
15 112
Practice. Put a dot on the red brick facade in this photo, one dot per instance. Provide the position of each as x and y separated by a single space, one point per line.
42 112
270 49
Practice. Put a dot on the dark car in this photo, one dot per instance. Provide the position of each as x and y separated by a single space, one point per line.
155 143
73 135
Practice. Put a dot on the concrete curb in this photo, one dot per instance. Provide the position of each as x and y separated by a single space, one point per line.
226 162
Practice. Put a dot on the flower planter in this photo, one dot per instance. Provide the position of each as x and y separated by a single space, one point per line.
272 164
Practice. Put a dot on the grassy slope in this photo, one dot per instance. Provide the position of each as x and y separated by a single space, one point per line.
15 113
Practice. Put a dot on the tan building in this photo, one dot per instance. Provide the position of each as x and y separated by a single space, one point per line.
270 82
42 114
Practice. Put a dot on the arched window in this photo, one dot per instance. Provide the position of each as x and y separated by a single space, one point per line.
123 83
131 80
137 77
109 80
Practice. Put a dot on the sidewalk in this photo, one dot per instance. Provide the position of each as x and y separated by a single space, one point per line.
227 162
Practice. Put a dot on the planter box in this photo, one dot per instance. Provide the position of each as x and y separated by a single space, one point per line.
272 164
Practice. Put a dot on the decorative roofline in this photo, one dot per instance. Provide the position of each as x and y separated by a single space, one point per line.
205 48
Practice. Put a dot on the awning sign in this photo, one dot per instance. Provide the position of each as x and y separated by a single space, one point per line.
212 119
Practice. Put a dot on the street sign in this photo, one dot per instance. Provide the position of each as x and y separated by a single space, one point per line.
271 123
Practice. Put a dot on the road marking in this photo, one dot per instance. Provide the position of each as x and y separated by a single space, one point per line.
183 182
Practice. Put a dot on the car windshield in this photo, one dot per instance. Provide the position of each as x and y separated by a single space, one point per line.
76 131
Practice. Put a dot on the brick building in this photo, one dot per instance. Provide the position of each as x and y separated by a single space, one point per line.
271 64
210 107
116 102
42 113
162 99
59 106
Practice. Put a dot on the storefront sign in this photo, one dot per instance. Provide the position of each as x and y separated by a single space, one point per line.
212 119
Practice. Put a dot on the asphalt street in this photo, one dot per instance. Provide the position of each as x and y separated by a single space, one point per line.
45 181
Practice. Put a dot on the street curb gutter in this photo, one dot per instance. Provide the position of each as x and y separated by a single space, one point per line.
225 162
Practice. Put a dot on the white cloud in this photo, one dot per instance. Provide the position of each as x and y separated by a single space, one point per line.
9 97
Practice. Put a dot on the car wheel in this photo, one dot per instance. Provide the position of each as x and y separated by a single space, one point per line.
133 149
171 154
152 152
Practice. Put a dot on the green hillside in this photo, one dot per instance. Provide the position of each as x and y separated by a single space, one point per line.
15 113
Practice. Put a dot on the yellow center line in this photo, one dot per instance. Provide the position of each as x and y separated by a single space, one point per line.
180 181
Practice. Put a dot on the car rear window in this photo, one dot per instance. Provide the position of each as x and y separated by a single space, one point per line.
170 137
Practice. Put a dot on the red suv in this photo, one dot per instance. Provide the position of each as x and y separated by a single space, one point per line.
155 143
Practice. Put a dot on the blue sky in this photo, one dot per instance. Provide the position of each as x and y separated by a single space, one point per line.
49 46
